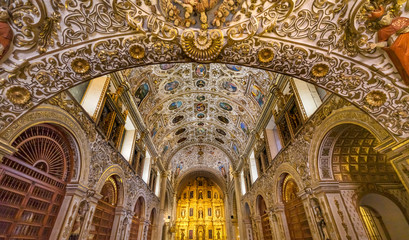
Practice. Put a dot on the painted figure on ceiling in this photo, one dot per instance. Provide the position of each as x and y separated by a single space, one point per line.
393 37
6 34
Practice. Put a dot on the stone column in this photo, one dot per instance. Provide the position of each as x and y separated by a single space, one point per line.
237 190
161 215
228 211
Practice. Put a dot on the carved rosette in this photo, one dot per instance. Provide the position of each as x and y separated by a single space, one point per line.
18 95
202 45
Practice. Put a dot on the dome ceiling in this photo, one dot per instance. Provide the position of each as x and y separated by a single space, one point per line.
190 104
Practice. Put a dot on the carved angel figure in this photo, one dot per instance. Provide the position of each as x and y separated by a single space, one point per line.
6 34
393 38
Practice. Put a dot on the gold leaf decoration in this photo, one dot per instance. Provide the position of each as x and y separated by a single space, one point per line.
18 95
80 65
202 45
320 70
265 55
137 51
376 98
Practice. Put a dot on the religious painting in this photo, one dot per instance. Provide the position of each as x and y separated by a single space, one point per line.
171 85
210 234
200 83
141 93
200 115
223 119
191 212
190 234
200 70
155 129
219 140
258 95
295 118
175 105
222 169
229 86
181 140
180 131
201 98
201 131
200 107
220 131
177 119
233 67
284 130
225 106
165 149
179 168
235 149
209 194
166 66
191 194
244 128
200 124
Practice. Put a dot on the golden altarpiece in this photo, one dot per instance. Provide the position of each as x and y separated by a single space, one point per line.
200 211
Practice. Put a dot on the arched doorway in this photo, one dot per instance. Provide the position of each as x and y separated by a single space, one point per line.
265 220
105 211
151 224
137 219
247 221
32 182
294 210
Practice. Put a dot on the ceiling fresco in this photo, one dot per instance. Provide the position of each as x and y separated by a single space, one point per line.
194 103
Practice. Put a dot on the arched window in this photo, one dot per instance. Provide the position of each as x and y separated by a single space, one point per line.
294 210
105 211
32 182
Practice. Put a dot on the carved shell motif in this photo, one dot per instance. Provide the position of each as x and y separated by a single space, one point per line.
202 45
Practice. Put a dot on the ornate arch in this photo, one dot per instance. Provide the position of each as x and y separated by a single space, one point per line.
284 168
208 172
322 136
111 171
54 115
45 60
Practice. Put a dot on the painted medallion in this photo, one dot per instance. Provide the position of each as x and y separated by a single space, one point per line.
258 95
200 107
223 119
182 140
141 93
200 115
166 66
229 86
220 131
180 131
171 85
177 119
219 140
243 127
165 149
232 67
201 98
200 124
200 83
235 149
201 131
200 70
175 105
225 106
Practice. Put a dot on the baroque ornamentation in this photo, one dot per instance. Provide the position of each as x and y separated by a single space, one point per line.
376 98
18 95
202 45
80 65
320 70
137 51
265 55
6 34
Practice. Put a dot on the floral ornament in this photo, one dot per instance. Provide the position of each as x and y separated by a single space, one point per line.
18 95
42 78
265 55
80 65
137 51
376 98
320 70
202 45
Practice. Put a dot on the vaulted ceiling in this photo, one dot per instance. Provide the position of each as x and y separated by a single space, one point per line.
193 104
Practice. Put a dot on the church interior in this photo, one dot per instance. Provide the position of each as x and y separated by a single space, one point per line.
204 119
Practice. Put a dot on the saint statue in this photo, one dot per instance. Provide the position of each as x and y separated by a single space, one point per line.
182 235
319 218
393 37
